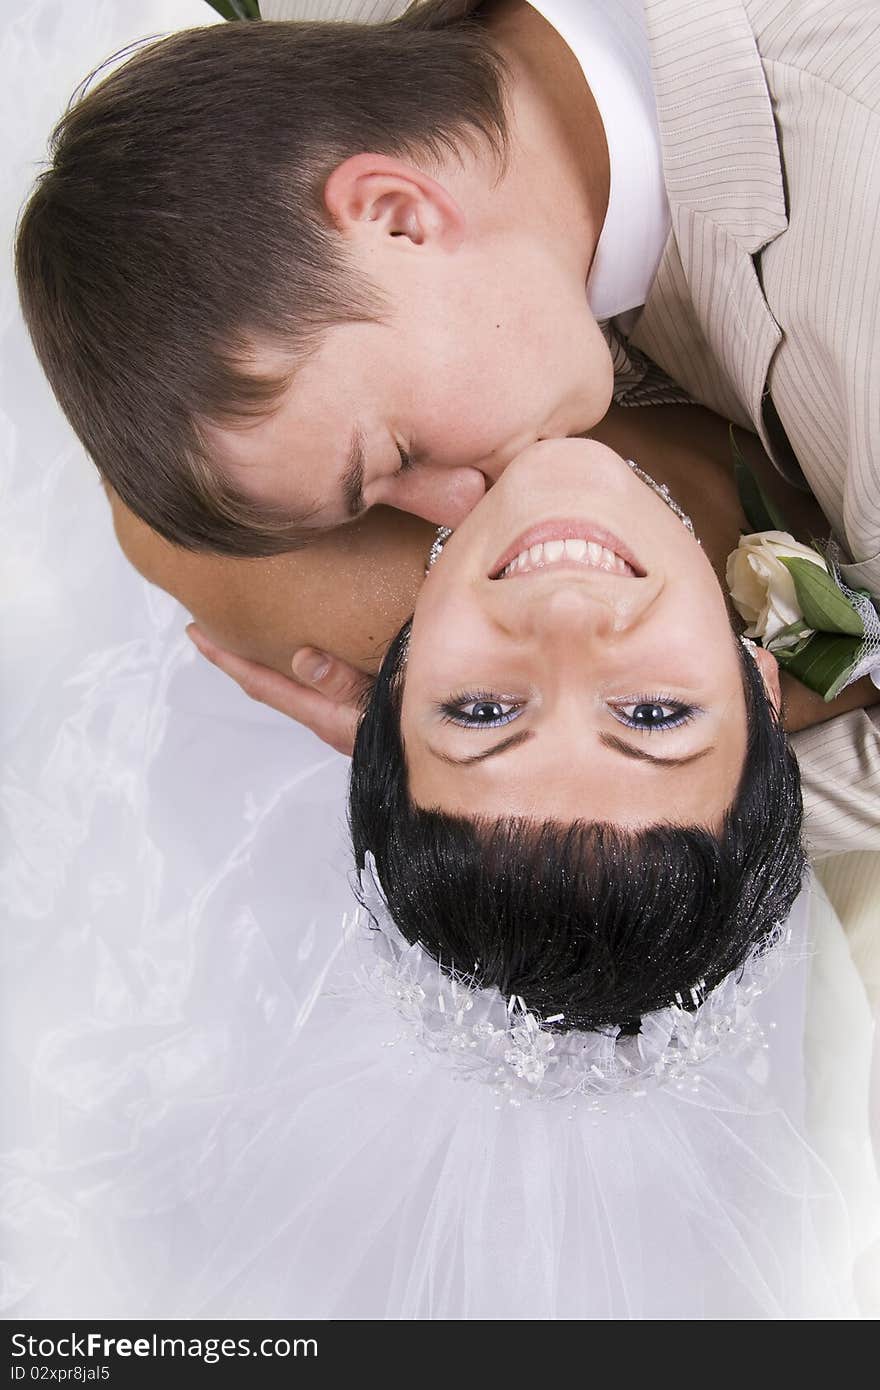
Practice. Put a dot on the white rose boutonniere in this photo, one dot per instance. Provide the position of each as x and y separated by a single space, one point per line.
794 599
762 587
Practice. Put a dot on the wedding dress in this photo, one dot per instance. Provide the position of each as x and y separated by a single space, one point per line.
373 1177
210 1109
320 1162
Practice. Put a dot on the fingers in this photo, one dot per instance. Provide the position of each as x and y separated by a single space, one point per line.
334 678
330 706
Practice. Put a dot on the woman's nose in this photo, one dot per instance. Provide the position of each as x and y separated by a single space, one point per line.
571 612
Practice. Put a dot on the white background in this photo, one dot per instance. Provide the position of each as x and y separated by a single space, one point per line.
174 865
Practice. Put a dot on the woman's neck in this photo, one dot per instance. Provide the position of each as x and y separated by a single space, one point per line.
688 449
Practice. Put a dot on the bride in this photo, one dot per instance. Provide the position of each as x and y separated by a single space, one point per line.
331 610
638 1136
226 1118
570 774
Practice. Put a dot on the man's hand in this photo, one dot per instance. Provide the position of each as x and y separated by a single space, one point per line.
325 696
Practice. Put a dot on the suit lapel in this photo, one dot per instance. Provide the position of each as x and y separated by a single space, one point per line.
706 321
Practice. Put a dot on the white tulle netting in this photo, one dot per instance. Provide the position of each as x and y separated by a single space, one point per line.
205 1112
867 661
500 1042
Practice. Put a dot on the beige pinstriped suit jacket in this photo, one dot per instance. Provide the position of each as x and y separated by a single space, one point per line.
769 284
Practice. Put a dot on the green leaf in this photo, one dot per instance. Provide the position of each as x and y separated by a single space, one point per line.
822 604
761 513
236 9
825 663
798 630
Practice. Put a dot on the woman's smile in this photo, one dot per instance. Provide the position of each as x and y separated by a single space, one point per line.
612 657
567 543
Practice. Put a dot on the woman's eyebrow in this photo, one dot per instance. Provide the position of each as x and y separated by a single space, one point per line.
353 477
630 750
512 741
619 745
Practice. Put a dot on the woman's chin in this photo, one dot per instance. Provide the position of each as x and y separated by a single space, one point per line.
581 464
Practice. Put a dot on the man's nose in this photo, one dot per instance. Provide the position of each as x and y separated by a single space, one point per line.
443 496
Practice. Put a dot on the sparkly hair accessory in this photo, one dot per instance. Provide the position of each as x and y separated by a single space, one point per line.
442 536
663 492
503 1043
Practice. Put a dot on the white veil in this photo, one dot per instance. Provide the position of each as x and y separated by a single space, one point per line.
264 1156
205 1114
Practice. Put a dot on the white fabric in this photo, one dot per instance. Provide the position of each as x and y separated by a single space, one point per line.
343 11
200 1113
852 882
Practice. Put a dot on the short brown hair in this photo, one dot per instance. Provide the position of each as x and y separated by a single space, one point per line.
182 220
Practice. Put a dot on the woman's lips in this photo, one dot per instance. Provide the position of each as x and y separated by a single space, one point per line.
570 530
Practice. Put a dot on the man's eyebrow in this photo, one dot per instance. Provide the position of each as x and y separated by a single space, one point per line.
353 477
629 750
512 741
620 745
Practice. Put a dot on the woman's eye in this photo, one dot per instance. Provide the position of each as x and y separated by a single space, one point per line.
651 713
479 711
406 462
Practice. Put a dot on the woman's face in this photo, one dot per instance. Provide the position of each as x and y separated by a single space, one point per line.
596 677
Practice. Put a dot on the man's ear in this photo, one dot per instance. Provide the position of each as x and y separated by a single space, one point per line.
769 668
371 195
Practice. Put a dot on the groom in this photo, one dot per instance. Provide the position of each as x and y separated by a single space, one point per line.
254 348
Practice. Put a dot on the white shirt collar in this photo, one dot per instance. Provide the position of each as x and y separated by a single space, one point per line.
609 40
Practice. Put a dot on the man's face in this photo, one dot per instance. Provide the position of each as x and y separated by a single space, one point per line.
478 356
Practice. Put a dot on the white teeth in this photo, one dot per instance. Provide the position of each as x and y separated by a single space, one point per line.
588 553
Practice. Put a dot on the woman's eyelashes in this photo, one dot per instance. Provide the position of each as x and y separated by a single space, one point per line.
645 713
406 462
649 713
479 711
